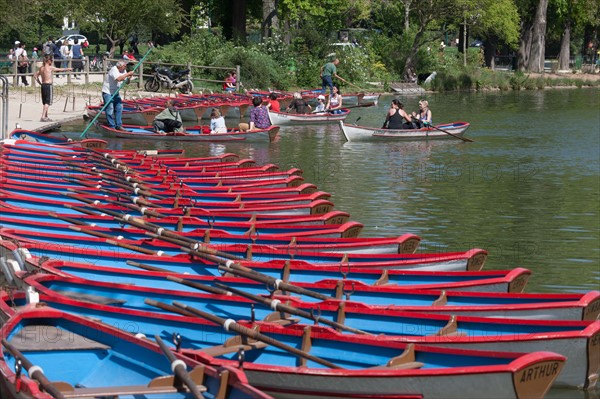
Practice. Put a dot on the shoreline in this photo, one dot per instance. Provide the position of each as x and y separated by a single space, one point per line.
70 100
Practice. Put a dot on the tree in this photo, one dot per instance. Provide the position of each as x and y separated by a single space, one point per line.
116 19
571 17
537 52
498 23
270 17
44 18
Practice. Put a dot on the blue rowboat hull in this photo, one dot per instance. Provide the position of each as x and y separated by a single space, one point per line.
86 356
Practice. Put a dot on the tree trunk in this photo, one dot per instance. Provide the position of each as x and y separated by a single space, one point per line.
565 48
537 54
489 51
463 37
406 14
524 47
270 18
409 74
238 20
287 36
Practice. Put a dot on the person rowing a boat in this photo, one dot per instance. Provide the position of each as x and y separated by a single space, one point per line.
395 117
299 105
423 117
168 120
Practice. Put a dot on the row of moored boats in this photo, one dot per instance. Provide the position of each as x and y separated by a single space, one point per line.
145 274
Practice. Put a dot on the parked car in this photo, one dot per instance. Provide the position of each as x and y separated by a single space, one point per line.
476 43
71 39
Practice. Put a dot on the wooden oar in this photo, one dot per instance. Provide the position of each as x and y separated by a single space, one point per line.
277 284
277 305
232 325
179 369
34 372
451 134
369 104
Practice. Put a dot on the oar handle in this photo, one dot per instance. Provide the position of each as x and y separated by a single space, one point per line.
35 372
179 368
232 325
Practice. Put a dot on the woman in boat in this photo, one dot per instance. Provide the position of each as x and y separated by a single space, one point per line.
259 116
217 122
334 105
397 118
299 105
423 117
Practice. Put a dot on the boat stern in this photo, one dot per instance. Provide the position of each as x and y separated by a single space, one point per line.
535 374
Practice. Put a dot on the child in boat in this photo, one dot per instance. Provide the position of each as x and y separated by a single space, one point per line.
273 104
320 104
217 122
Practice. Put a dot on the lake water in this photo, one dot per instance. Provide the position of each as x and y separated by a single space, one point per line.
527 189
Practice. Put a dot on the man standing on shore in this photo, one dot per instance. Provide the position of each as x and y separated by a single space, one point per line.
44 78
110 94
328 71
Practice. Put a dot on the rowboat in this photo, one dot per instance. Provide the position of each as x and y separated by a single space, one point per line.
426 296
363 133
45 145
84 358
27 135
449 302
577 340
454 261
52 223
188 223
315 362
284 118
298 272
133 131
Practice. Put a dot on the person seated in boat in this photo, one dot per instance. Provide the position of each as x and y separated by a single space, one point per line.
229 84
397 118
273 104
320 104
217 122
423 117
334 105
299 105
168 120
259 116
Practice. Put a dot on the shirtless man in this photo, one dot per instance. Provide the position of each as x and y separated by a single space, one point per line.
44 77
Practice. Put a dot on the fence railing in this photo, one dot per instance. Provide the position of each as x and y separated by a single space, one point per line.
97 65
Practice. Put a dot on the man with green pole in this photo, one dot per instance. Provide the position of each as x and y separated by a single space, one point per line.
110 94
113 104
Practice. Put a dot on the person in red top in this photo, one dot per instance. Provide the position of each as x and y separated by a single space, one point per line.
273 103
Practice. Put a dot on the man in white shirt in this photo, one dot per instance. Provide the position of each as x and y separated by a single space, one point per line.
110 95
20 56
